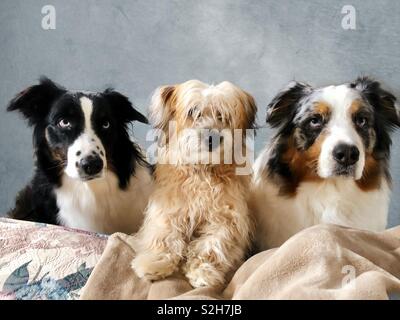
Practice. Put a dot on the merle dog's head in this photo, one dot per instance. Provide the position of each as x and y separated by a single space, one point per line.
80 134
334 131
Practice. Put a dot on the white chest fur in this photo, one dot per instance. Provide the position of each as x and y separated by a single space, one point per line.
337 201
101 206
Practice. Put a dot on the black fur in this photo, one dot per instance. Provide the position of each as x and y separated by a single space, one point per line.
41 104
282 109
280 115
386 115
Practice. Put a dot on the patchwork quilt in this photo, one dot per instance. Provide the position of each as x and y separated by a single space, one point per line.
41 262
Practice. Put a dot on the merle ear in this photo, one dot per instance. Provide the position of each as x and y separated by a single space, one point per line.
283 106
383 101
35 102
123 107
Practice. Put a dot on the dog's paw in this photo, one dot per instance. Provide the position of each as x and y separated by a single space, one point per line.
154 266
203 274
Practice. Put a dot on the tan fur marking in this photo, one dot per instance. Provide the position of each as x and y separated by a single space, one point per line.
302 164
355 107
323 109
372 174
57 154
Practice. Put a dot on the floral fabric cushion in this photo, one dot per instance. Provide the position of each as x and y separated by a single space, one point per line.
39 261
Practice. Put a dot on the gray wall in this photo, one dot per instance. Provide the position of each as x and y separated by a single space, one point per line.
138 45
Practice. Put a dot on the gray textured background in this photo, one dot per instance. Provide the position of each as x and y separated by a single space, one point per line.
138 45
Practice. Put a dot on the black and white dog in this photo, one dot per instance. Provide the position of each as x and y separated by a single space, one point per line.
89 174
328 162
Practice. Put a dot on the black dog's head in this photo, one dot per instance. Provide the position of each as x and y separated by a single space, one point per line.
80 134
332 131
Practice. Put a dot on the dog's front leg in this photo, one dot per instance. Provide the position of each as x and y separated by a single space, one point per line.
159 246
219 250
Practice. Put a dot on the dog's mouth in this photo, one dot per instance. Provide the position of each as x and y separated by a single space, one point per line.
345 171
86 178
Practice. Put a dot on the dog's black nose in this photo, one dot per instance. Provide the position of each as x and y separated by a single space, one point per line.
214 141
211 143
345 154
91 165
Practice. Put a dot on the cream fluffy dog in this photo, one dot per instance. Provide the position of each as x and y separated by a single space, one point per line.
197 218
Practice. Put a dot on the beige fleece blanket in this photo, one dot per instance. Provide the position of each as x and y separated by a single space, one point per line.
322 262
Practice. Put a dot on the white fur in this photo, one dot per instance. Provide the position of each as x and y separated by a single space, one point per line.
100 205
86 143
336 200
340 128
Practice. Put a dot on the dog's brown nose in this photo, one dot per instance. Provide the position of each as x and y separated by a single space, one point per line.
346 155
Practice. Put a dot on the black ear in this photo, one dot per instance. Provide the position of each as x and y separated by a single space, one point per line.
283 106
381 100
123 107
35 102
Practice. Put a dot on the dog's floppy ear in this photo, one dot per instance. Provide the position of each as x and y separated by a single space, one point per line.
381 100
283 106
35 102
160 109
250 109
123 107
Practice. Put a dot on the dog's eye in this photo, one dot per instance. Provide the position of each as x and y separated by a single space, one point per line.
105 125
195 112
192 111
64 124
316 122
361 121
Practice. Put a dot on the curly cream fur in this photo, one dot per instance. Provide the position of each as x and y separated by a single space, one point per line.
197 219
